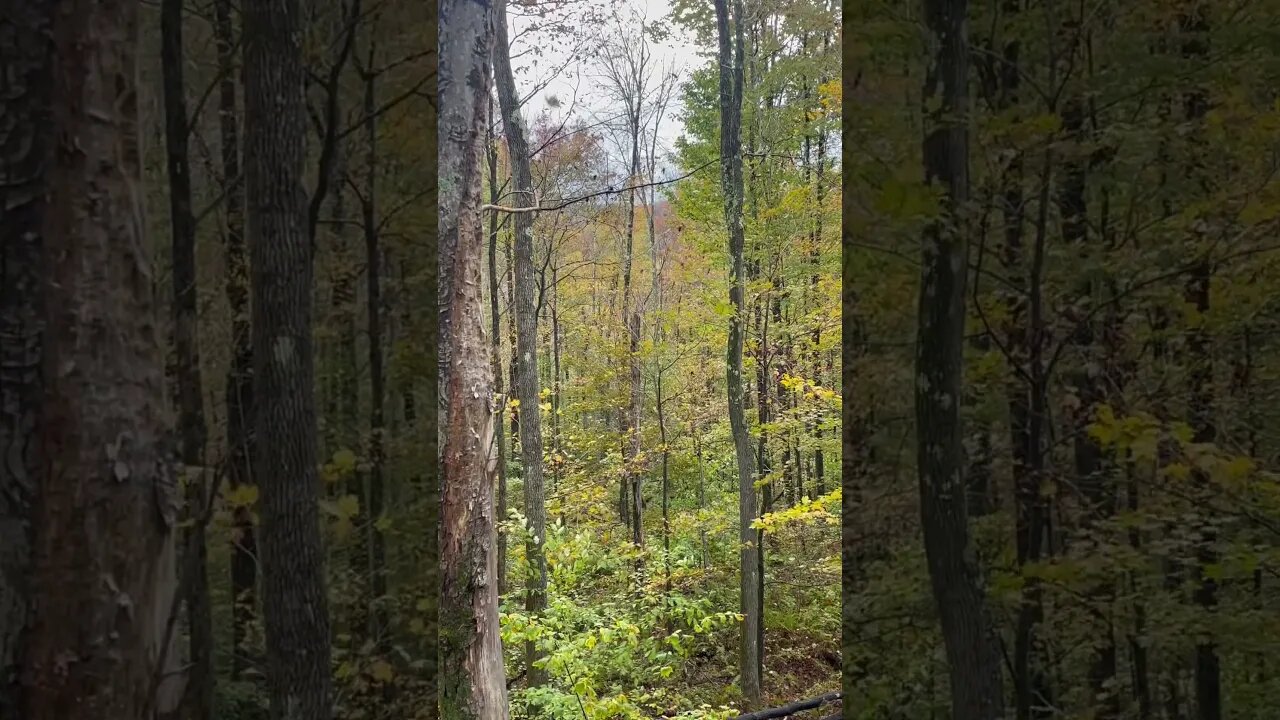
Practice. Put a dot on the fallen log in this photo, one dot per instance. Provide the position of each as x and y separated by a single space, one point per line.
791 708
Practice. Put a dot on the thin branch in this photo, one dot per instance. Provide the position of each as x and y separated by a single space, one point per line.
611 191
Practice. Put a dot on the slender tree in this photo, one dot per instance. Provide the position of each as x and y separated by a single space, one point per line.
495 336
239 383
972 649
525 381
731 182
188 386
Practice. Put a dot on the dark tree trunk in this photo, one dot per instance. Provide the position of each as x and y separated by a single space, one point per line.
1194 26
525 381
973 653
239 387
26 144
1088 386
472 682
375 542
107 487
198 695
731 70
295 603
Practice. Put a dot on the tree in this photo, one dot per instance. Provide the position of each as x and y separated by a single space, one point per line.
472 682
731 182
239 380
25 64
626 65
972 652
107 488
295 604
525 381
198 693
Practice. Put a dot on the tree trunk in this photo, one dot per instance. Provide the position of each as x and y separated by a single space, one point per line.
472 680
26 58
198 695
731 181
557 459
375 542
973 653
525 383
239 386
107 488
1089 388
295 603
495 332
1194 26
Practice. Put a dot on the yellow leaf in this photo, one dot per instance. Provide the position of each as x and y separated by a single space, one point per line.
242 496
348 506
382 671
344 460
1239 467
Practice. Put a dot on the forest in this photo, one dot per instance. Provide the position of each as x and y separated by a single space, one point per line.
303 420
1059 229
661 310
477 360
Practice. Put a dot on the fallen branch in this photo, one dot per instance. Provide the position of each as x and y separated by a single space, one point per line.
791 708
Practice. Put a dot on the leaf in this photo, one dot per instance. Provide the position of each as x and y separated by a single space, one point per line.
348 506
344 461
382 671
242 496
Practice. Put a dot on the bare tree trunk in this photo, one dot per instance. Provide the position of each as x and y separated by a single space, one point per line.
108 494
731 180
239 390
557 459
525 382
375 542
495 332
295 602
972 648
26 58
472 680
198 693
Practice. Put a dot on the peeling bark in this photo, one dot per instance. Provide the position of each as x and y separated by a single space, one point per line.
107 486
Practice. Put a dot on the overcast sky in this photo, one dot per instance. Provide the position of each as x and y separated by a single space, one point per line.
579 86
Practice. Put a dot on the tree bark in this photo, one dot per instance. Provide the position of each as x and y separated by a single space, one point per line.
972 649
295 603
198 693
731 80
108 495
472 680
26 58
525 382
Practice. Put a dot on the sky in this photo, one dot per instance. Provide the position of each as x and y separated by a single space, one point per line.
580 88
